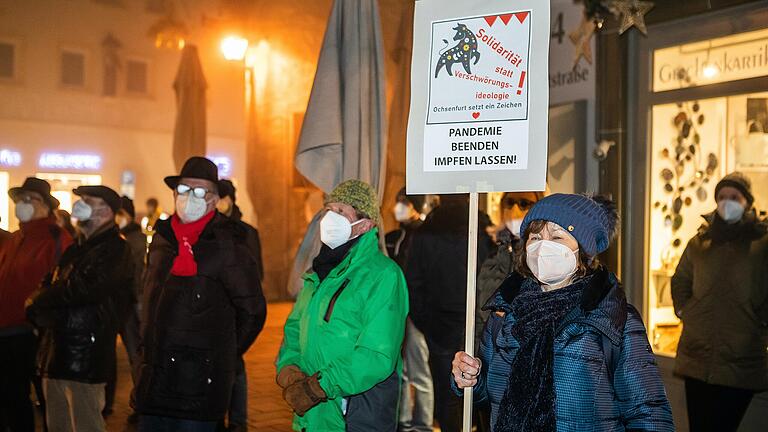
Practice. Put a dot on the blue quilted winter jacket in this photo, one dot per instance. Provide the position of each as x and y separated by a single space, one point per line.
605 374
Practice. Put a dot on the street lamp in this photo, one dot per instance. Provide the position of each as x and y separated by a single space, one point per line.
234 47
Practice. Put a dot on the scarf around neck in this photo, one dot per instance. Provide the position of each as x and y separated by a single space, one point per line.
528 403
186 236
329 258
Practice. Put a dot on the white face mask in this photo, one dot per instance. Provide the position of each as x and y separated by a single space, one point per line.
513 225
81 211
551 262
402 212
24 211
335 229
731 211
190 208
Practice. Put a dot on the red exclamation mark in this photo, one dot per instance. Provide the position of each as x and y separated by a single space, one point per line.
520 85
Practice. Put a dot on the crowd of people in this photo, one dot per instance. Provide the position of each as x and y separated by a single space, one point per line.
375 338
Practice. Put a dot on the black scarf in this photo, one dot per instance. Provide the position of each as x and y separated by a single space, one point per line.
329 258
529 400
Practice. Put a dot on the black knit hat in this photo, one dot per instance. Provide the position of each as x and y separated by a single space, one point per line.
108 195
34 184
417 201
738 181
126 204
227 189
195 167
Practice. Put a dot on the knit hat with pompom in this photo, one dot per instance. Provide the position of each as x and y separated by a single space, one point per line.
592 220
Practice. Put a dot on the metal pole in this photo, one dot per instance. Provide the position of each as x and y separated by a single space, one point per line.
469 338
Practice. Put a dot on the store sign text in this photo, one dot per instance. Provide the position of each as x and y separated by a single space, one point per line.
709 62
10 158
69 161
224 164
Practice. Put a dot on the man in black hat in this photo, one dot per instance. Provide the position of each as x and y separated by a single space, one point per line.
25 258
79 309
204 308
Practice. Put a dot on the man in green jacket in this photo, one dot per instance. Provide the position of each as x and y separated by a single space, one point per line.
339 364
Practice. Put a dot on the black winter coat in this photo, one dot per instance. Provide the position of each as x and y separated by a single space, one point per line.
196 328
437 274
80 307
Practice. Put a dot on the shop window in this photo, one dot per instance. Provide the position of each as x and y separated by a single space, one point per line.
694 143
7 60
72 69
136 76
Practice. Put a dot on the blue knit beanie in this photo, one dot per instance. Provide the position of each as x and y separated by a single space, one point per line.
591 220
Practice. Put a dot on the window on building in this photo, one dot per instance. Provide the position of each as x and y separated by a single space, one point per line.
136 76
7 60
72 69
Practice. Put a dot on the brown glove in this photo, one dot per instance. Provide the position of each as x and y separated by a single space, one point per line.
304 395
289 375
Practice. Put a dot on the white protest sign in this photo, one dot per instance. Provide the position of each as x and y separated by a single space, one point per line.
479 96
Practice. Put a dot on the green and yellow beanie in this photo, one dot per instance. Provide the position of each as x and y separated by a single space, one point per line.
359 195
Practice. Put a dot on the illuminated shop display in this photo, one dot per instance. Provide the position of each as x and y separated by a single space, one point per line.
69 161
694 143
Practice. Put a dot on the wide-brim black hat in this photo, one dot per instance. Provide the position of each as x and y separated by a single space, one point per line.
195 167
108 195
40 186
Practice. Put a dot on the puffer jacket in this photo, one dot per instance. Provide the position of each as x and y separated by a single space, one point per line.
196 328
720 291
494 270
605 374
80 307
349 328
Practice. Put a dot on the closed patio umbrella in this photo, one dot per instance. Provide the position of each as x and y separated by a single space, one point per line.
189 134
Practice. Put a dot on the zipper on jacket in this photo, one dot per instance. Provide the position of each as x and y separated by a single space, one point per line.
332 303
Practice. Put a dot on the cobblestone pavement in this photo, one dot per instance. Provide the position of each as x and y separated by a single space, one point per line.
267 412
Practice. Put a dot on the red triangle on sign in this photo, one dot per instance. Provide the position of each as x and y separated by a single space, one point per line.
521 16
490 20
506 18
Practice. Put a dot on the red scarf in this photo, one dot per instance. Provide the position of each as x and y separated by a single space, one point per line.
186 235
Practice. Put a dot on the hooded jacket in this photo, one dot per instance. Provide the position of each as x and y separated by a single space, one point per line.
197 327
720 291
349 328
80 307
605 374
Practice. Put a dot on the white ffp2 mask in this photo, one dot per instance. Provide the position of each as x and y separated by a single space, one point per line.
335 229
551 262
190 208
513 225
82 211
402 212
24 211
731 211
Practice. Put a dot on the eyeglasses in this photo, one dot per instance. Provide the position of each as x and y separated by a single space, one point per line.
524 204
198 192
28 199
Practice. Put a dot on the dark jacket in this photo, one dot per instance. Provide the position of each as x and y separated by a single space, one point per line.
80 307
137 242
605 374
251 239
437 274
195 328
399 241
494 270
720 291
25 258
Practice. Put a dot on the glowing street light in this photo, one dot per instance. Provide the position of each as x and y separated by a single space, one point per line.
234 47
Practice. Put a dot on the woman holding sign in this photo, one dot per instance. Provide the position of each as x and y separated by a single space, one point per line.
563 350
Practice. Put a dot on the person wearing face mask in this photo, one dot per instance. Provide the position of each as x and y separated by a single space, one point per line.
339 363
129 329
78 309
562 349
417 396
227 205
203 308
720 292
25 258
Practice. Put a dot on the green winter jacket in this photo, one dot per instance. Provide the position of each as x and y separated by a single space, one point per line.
349 328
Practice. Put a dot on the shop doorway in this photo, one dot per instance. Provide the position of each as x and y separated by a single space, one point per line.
62 185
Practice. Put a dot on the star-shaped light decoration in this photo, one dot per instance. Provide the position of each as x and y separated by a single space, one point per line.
581 38
633 14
